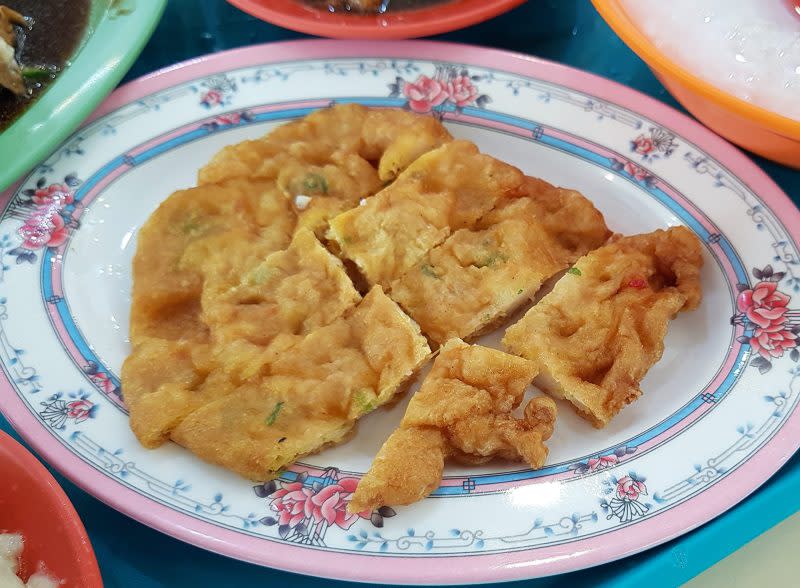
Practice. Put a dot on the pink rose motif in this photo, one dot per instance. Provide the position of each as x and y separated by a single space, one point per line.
293 503
211 98
634 171
643 145
630 489
764 305
229 119
290 503
425 93
330 504
103 382
461 91
80 410
43 229
603 462
773 341
54 194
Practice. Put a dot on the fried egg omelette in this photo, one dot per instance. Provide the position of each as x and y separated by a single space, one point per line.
600 330
301 284
462 411
201 254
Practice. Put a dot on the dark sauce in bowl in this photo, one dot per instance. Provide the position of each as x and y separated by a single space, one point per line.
380 6
57 29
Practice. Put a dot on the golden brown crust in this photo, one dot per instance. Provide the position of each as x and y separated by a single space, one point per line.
391 137
305 392
178 250
595 336
444 190
480 275
295 291
252 347
462 410
178 259
194 249
407 468
202 352
159 378
567 216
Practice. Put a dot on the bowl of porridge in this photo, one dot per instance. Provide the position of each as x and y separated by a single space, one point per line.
733 65
42 540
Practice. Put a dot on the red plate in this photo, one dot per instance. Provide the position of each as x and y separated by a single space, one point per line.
404 24
32 503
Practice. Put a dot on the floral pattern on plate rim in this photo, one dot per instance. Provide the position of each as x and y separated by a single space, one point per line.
759 303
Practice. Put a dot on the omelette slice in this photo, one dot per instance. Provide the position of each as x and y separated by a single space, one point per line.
294 291
595 336
444 190
200 234
311 392
178 254
478 276
462 410
252 199
329 160
195 248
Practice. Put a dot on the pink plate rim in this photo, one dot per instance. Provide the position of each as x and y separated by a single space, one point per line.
459 569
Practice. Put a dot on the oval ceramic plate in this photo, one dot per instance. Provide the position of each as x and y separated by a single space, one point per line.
718 416
116 34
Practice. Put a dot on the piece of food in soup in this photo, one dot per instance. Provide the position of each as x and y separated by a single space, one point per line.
372 6
357 5
11 548
10 71
37 40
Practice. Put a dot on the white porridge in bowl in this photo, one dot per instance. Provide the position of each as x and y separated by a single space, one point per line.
747 48
11 546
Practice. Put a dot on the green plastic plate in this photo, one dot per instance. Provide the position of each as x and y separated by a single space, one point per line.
117 32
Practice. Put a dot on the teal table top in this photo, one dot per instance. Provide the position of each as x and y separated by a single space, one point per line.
567 31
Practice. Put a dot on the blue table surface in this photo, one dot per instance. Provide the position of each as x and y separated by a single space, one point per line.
567 31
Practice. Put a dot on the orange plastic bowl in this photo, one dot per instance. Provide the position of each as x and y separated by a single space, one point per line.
32 503
759 130
402 24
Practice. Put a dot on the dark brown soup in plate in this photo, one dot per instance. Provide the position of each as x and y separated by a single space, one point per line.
372 6
37 39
